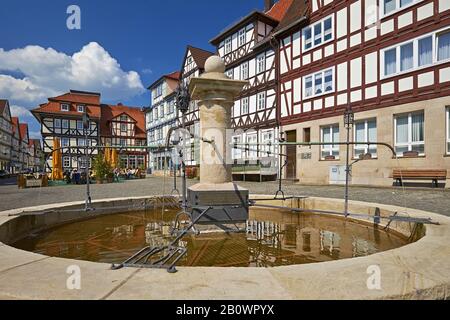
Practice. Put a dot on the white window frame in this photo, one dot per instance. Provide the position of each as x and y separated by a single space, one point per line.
313 35
230 73
246 99
242 37
57 123
65 145
252 138
410 143
66 162
65 107
448 129
261 101
330 147
228 46
244 70
237 153
80 108
267 137
65 121
80 125
416 66
365 148
313 76
397 8
261 63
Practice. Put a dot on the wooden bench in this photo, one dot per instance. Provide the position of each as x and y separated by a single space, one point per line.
419 174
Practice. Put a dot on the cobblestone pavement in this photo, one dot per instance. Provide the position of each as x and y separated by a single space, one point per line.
437 200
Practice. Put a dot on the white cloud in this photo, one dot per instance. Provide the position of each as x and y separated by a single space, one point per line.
48 73
17 111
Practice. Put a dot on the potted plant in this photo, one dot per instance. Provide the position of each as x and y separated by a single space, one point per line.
102 169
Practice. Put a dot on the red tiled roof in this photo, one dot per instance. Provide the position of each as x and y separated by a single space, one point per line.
278 11
110 112
200 56
174 75
15 122
92 103
296 11
23 130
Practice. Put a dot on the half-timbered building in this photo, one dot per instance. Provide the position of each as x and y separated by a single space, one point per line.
193 66
249 54
161 116
389 60
122 126
16 158
62 118
5 136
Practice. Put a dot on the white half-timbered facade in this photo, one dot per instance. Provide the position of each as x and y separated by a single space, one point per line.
249 55
6 131
161 116
387 59
62 118
193 66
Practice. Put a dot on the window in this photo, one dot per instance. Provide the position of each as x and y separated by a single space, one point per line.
65 124
81 142
448 130
330 134
417 53
244 71
391 6
425 51
443 45
65 142
161 112
80 108
155 111
159 91
252 139
242 37
410 133
230 73
319 83
318 33
57 123
123 142
80 125
66 162
267 140
407 56
228 45
65 107
237 153
171 106
244 108
261 101
390 62
123 127
261 63
365 131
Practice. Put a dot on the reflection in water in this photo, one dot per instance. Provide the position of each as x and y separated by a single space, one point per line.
272 238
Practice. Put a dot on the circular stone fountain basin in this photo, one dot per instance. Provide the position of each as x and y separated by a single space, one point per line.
271 238
417 270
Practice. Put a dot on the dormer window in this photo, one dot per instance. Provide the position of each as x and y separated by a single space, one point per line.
228 45
80 108
64 107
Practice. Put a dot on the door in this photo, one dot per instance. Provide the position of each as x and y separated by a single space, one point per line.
291 152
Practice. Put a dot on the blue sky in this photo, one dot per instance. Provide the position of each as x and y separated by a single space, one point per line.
122 47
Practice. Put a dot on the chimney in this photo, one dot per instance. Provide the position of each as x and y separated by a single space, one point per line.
268 4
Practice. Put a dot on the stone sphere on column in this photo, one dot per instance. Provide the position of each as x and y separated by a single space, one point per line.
214 64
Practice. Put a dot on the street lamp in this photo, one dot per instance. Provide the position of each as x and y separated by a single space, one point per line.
183 99
86 126
349 122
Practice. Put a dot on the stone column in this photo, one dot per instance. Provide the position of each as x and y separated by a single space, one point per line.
216 94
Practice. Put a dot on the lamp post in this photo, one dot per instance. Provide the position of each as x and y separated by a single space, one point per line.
183 99
349 121
86 125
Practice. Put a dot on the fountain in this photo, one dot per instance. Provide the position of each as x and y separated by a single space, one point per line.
227 202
